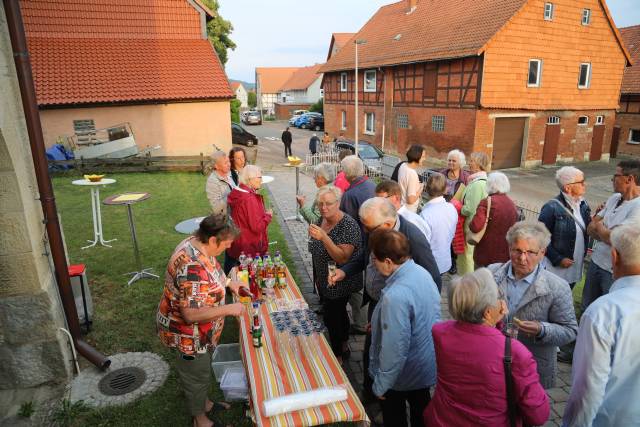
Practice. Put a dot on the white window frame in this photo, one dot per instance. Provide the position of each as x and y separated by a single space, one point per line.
438 122
586 123
588 82
599 120
586 16
553 120
343 120
539 75
548 11
631 140
370 130
373 80
343 82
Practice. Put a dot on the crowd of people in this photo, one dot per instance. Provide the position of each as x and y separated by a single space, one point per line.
380 249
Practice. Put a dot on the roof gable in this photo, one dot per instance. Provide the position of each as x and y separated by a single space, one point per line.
271 79
302 78
338 40
631 79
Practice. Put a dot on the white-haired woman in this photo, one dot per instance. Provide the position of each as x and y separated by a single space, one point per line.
457 177
323 174
540 303
567 217
249 215
502 215
336 239
471 387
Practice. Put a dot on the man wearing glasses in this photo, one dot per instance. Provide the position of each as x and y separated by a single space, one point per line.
621 208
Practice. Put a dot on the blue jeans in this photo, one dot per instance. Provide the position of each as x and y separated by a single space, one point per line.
597 283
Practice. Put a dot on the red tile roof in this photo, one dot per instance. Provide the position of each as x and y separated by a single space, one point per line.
338 40
631 79
235 86
107 51
271 79
302 78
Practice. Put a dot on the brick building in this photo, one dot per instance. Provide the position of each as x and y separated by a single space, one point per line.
526 81
626 133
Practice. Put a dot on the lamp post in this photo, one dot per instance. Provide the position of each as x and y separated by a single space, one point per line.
357 42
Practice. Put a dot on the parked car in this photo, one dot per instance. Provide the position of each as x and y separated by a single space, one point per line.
295 115
253 118
315 122
370 154
303 120
240 135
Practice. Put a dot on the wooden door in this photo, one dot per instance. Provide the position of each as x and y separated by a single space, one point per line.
596 143
615 137
508 138
551 140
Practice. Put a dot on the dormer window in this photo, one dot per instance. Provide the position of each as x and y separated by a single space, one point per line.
586 16
548 11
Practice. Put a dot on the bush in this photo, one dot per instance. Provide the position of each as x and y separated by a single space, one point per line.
318 107
235 110
251 99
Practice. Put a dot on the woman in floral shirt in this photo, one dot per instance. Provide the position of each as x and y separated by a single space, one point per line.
191 313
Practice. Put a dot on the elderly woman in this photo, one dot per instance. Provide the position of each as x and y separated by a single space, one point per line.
455 175
502 215
237 159
219 183
249 215
567 217
540 303
192 309
442 220
402 361
408 178
470 350
475 191
341 180
323 174
335 239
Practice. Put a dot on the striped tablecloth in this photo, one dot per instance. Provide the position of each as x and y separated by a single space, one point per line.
272 373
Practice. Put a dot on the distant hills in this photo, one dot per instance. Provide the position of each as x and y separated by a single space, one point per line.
247 86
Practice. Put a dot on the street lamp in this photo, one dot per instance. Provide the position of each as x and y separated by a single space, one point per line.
357 42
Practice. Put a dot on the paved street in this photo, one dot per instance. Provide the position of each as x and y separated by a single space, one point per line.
532 187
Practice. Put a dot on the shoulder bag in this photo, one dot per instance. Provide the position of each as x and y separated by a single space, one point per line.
474 238
511 399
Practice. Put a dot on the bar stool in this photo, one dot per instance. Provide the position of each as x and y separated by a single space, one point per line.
78 270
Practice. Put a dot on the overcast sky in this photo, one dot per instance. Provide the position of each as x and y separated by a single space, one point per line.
281 33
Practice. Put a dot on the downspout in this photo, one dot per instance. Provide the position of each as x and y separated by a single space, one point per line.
384 104
36 142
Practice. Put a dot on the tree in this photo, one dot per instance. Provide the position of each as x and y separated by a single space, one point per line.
235 110
252 100
218 31
318 107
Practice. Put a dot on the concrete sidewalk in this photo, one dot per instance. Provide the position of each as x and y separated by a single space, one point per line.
283 196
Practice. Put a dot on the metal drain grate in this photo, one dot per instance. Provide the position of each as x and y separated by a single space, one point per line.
122 381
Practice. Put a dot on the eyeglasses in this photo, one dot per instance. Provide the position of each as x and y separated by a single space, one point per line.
577 182
326 204
371 230
518 253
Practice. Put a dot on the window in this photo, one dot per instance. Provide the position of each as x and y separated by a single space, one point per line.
403 121
548 11
586 16
634 136
370 81
535 73
343 122
437 123
583 120
599 120
370 123
584 79
343 82
553 120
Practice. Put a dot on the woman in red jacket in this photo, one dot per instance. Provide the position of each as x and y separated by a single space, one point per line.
503 214
249 215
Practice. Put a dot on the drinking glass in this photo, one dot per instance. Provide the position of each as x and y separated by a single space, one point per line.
511 329
331 265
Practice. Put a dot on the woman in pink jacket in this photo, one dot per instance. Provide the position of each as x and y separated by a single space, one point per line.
470 388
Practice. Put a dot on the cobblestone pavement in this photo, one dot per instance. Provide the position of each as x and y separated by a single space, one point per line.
283 195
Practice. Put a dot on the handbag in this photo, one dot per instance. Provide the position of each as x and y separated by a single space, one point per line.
511 400
474 238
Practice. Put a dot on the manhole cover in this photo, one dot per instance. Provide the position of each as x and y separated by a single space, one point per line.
122 381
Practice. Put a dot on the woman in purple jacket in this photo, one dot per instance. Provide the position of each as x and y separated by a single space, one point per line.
470 388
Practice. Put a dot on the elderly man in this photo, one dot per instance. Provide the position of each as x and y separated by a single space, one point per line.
392 191
219 183
605 390
540 303
621 208
323 174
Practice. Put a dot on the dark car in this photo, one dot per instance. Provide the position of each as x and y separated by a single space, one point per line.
239 135
315 123
370 154
252 118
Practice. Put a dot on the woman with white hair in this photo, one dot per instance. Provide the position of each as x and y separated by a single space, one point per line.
499 217
323 174
540 303
470 350
457 177
567 217
249 215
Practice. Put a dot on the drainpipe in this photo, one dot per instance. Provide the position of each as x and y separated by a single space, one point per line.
47 199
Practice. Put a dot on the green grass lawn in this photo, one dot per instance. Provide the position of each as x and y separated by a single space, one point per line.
124 318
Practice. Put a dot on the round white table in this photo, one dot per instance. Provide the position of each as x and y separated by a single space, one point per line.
267 179
98 236
188 226
298 217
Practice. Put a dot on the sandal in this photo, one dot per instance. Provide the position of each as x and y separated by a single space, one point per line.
218 406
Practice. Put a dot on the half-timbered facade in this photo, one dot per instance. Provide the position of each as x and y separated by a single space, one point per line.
625 139
499 76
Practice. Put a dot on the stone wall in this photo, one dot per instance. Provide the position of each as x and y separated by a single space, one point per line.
34 357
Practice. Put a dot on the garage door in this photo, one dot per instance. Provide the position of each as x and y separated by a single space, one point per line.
507 142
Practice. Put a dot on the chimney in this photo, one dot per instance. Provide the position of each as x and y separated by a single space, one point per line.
411 5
